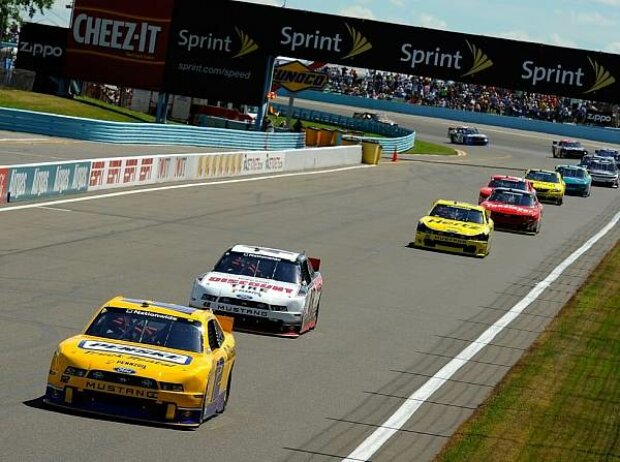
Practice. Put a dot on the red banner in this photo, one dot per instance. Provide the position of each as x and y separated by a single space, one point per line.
4 184
120 42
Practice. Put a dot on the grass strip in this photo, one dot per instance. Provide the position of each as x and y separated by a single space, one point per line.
561 402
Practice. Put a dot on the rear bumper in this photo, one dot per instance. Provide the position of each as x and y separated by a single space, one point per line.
463 246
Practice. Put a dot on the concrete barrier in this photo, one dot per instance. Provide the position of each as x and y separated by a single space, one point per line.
29 182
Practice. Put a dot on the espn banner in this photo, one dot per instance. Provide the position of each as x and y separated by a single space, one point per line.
222 49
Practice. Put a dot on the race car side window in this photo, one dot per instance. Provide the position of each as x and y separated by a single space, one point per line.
305 272
214 341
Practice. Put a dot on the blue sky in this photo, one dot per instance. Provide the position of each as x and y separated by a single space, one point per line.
587 24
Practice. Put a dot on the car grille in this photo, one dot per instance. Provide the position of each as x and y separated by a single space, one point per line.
124 379
244 303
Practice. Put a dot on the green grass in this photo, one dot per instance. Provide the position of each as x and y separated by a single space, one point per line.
79 107
562 400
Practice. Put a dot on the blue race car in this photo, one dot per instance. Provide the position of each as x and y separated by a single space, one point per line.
577 179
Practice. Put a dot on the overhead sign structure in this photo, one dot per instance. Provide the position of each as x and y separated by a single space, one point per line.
296 76
180 46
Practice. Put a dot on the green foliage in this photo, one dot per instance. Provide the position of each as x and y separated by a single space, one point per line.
13 12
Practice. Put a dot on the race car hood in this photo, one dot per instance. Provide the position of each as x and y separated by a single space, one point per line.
519 210
453 226
572 148
265 290
102 354
476 135
604 173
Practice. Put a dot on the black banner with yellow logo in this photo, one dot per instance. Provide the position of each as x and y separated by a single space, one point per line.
426 52
211 54
222 49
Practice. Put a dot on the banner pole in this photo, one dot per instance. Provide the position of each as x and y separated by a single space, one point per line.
262 108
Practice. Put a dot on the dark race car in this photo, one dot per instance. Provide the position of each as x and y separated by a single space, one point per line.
568 148
514 209
467 135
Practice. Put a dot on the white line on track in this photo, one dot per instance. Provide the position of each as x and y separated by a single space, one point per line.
48 204
394 423
56 209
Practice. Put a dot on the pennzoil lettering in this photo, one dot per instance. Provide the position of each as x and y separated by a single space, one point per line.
121 390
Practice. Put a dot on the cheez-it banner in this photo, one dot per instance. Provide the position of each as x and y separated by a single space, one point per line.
119 41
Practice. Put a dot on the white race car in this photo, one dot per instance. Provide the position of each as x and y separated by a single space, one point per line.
262 287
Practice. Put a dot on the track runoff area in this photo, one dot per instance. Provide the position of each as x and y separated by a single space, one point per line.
409 341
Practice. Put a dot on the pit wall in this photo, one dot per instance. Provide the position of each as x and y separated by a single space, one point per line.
31 182
606 135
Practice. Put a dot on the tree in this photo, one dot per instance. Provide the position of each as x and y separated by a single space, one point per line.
12 12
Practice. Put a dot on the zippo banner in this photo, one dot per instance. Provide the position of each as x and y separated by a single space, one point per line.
42 48
30 182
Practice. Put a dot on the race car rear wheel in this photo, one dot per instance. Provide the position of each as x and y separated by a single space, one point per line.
316 316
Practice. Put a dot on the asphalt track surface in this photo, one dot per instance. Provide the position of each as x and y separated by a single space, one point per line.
391 316
25 148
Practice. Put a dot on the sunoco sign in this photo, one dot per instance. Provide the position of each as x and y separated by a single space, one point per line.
296 77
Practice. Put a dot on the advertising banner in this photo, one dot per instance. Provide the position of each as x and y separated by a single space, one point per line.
45 180
42 49
215 56
419 51
119 42
4 184
121 172
174 168
223 49
601 118
218 165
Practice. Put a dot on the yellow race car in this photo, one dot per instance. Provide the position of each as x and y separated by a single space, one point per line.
146 361
548 184
455 227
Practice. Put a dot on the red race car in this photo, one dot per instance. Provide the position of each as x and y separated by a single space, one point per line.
515 209
503 181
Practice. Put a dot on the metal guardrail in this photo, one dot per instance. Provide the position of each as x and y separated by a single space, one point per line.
144 133
396 137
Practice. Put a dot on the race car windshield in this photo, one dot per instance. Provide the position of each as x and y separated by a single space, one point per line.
147 328
546 177
604 166
572 145
458 214
572 173
512 198
606 153
472 131
260 266
499 183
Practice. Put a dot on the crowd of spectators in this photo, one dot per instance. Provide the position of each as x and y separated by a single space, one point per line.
460 96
